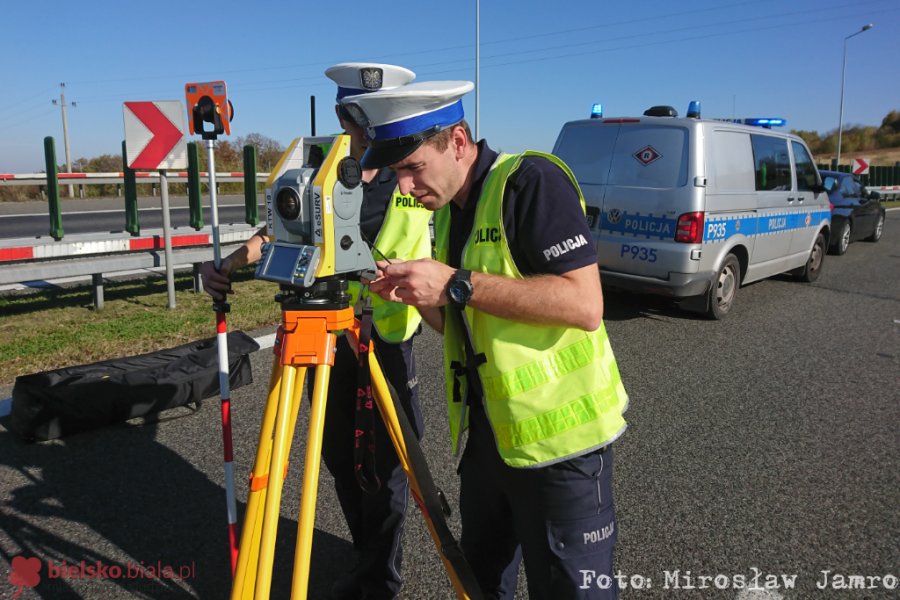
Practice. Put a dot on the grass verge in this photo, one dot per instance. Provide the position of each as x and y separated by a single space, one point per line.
59 327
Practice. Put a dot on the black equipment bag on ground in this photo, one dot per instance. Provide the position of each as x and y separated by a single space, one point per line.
53 404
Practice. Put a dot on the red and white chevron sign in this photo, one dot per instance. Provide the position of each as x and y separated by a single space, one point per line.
154 135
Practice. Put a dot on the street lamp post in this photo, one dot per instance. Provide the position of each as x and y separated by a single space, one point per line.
837 161
477 63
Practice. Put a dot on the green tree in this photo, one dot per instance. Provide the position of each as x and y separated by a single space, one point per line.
268 151
812 139
891 122
105 163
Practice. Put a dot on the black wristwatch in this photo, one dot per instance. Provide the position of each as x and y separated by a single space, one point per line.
459 290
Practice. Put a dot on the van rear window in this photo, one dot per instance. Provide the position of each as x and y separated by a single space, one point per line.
651 157
630 155
587 149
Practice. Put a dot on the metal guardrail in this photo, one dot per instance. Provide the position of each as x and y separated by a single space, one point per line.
48 183
127 180
40 179
74 267
18 250
887 192
22 179
97 266
30 260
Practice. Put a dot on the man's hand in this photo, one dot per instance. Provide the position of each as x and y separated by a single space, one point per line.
216 283
421 283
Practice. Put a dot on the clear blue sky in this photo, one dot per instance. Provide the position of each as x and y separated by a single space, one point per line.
542 63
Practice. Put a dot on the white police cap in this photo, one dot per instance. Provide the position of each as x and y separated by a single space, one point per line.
362 78
398 120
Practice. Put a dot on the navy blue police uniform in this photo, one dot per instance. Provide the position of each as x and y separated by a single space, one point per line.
509 513
375 520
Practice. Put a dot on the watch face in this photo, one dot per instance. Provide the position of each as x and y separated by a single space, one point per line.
456 294
460 291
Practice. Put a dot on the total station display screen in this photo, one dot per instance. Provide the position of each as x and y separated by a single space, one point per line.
282 262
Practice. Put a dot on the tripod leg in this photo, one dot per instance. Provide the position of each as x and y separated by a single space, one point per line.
389 416
307 517
248 553
280 446
388 411
251 532
305 338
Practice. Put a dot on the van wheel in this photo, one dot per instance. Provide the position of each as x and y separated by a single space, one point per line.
879 228
724 288
810 272
842 241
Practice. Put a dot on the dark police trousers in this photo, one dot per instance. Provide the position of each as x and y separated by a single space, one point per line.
560 519
375 520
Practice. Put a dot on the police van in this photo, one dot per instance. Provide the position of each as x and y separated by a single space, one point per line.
692 208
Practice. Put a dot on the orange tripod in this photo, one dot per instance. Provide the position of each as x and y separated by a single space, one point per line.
307 338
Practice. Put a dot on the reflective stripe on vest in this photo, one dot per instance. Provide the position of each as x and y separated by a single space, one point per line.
551 392
404 234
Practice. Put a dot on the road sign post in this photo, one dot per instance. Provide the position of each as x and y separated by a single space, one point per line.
167 228
154 139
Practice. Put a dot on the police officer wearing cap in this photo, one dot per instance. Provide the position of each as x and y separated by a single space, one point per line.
397 225
529 371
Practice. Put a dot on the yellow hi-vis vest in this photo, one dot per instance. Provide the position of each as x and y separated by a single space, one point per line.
404 234
550 392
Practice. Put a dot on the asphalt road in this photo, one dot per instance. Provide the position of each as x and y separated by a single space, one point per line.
31 219
762 446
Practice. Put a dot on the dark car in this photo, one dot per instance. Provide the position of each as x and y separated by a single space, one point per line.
855 213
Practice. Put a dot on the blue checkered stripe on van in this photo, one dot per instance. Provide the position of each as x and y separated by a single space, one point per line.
719 229
638 225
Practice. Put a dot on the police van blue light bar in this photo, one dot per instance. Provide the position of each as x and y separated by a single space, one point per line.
765 122
693 111
596 111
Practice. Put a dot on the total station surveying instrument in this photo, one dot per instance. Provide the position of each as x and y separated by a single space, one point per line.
313 200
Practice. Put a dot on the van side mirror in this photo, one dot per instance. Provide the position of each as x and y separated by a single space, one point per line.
829 183
874 195
817 188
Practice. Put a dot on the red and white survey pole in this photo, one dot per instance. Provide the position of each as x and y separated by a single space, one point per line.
207 103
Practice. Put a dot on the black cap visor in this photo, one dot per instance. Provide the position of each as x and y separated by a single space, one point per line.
385 156
384 153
